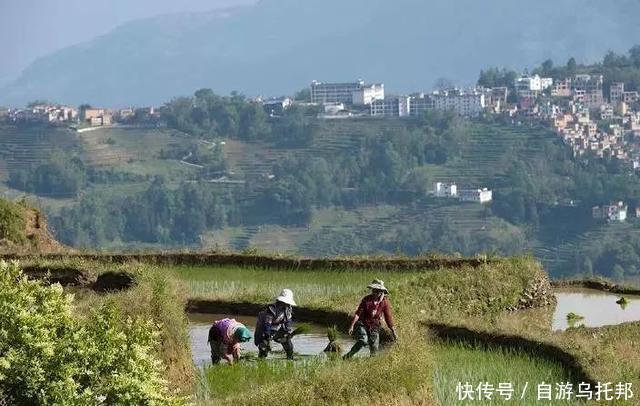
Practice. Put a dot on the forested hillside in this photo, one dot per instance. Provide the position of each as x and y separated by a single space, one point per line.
223 174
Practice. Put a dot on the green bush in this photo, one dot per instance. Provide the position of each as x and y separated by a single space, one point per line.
12 222
47 356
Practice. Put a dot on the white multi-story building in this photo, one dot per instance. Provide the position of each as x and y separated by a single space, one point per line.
441 189
367 95
357 93
391 107
476 195
464 103
535 83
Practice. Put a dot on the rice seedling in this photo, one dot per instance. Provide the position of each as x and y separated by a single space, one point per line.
573 317
333 347
458 364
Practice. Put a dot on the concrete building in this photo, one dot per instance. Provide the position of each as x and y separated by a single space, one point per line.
476 195
606 112
587 90
448 190
419 103
535 83
367 95
96 117
277 106
333 108
561 88
616 91
630 97
391 107
549 110
357 93
464 103
610 213
499 96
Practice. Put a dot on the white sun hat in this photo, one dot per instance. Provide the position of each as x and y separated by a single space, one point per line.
377 284
286 296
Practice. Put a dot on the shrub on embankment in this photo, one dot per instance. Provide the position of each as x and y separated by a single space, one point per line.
137 291
12 223
50 356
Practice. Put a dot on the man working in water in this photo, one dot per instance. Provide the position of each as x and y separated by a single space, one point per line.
275 324
365 325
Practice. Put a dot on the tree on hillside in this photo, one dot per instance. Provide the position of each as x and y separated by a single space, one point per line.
547 67
572 67
494 77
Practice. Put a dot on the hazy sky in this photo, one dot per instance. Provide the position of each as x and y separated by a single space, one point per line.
30 29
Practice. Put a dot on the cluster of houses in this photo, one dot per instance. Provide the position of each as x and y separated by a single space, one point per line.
54 114
584 118
450 191
576 108
41 113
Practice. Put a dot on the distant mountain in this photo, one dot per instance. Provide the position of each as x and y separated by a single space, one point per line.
277 46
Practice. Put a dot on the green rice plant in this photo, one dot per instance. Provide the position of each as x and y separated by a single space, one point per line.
573 317
333 347
301 329
458 364
217 382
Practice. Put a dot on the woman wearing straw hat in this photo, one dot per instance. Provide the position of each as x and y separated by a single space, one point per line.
274 324
365 325
225 337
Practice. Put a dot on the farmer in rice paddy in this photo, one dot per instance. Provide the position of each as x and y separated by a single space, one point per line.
225 337
365 325
275 324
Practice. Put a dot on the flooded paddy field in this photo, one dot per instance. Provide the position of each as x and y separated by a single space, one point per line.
597 308
306 345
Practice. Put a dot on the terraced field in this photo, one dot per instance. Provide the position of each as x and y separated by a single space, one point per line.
22 147
136 150
564 254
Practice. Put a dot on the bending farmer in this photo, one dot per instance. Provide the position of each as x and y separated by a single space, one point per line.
274 324
365 325
225 337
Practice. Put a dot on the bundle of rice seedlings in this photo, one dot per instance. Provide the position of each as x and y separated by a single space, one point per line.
301 329
333 346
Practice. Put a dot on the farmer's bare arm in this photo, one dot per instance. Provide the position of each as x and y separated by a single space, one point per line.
355 319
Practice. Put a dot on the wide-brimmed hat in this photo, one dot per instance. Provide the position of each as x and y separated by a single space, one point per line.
286 296
378 284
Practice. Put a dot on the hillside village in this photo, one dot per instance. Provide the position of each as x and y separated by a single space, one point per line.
589 121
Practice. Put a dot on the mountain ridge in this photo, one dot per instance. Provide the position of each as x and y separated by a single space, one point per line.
277 46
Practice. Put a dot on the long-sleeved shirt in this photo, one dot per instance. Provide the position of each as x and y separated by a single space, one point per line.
223 330
371 311
271 320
